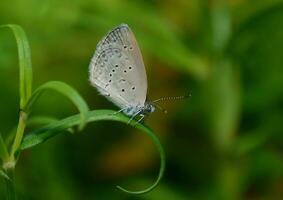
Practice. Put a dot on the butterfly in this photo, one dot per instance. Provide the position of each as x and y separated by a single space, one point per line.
118 72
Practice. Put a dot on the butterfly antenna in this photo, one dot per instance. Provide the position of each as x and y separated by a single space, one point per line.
160 108
173 98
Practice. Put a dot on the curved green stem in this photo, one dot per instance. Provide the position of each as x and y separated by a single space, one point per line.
161 171
65 90
42 134
25 64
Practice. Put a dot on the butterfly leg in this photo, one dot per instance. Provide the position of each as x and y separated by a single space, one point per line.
134 116
140 119
121 110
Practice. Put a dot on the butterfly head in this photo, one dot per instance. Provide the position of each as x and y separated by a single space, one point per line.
148 108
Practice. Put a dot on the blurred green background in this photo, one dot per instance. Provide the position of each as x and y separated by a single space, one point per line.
225 142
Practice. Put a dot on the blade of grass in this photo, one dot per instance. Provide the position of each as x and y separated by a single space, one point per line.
4 175
38 136
3 149
41 120
221 25
65 90
44 120
18 137
24 62
10 136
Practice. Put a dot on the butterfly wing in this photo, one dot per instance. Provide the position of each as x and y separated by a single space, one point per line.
117 69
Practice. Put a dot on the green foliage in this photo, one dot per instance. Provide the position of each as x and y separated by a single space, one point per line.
27 100
4 175
223 143
65 90
24 63
3 149
40 135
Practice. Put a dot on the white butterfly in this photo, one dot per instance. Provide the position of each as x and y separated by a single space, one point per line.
117 71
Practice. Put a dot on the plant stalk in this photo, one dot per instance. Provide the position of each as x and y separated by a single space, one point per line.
9 164
19 135
10 186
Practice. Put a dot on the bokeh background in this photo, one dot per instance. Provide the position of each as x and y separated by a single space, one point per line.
225 142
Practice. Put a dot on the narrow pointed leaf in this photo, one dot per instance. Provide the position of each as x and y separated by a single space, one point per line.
3 149
40 120
65 90
24 62
44 120
38 136
4 175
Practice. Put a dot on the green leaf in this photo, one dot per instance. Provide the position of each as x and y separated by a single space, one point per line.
3 149
24 63
224 93
221 25
10 136
4 175
67 91
40 120
44 120
38 136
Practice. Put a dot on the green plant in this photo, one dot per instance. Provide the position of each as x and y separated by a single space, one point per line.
10 153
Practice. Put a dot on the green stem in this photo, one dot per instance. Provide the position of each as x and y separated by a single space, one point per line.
10 186
9 164
19 135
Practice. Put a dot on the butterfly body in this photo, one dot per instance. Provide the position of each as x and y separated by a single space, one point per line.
117 71
145 109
